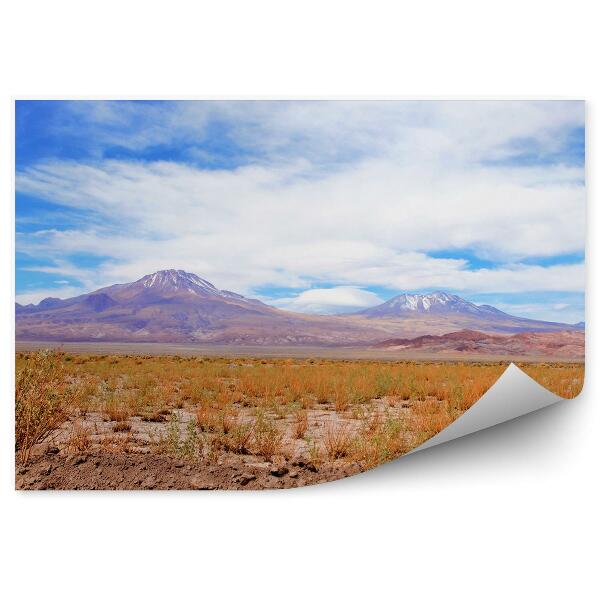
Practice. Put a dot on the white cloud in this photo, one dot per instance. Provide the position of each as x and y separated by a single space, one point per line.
65 268
326 132
329 300
256 226
343 194
558 313
35 296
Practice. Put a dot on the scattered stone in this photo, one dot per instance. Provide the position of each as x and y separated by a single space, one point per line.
197 483
179 464
279 471
77 460
22 470
293 474
46 470
246 478
259 465
52 450
149 482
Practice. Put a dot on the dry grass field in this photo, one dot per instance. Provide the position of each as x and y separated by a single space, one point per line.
123 421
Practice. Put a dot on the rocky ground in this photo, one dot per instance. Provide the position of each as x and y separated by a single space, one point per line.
89 452
106 471
145 422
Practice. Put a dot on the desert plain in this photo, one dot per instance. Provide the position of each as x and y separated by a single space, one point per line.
169 417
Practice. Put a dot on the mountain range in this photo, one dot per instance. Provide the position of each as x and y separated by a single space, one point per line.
548 344
440 303
176 306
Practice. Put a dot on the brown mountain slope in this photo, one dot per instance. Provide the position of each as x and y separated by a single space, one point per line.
440 312
175 306
550 344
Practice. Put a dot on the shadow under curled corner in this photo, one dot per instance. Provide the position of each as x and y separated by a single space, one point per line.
515 394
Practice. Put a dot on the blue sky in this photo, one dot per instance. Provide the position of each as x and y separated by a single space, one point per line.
312 206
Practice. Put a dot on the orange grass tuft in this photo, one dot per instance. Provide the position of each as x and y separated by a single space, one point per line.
355 410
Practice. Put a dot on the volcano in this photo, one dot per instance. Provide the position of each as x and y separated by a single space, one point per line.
177 306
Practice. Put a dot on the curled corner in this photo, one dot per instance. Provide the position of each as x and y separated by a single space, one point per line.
513 395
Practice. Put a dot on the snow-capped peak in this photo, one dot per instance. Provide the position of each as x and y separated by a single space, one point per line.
178 280
422 302
435 302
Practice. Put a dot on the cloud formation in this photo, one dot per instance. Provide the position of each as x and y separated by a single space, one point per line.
327 301
329 199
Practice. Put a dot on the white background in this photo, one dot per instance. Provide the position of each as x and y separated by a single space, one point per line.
511 512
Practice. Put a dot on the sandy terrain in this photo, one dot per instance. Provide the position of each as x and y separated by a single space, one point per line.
142 421
140 458
352 353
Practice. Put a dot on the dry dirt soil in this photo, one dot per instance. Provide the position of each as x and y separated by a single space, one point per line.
102 471
172 422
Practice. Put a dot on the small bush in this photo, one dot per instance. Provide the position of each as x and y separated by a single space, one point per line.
300 424
268 440
337 440
386 441
79 440
43 400
238 438
117 412
208 418
188 445
121 427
